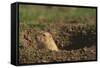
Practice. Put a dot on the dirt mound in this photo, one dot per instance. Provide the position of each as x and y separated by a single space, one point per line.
31 55
75 42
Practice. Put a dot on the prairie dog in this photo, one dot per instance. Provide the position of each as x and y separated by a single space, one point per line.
45 40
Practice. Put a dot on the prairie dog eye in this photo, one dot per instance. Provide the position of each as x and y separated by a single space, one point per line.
44 35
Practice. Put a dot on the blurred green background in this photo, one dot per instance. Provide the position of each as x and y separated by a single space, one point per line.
33 13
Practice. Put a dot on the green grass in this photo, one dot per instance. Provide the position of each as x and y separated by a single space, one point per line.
31 13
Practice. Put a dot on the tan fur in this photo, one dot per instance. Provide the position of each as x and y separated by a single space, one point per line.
46 40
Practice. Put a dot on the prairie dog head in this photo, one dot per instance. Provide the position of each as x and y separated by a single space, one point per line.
46 40
44 36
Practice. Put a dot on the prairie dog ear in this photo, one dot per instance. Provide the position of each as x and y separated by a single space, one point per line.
49 34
